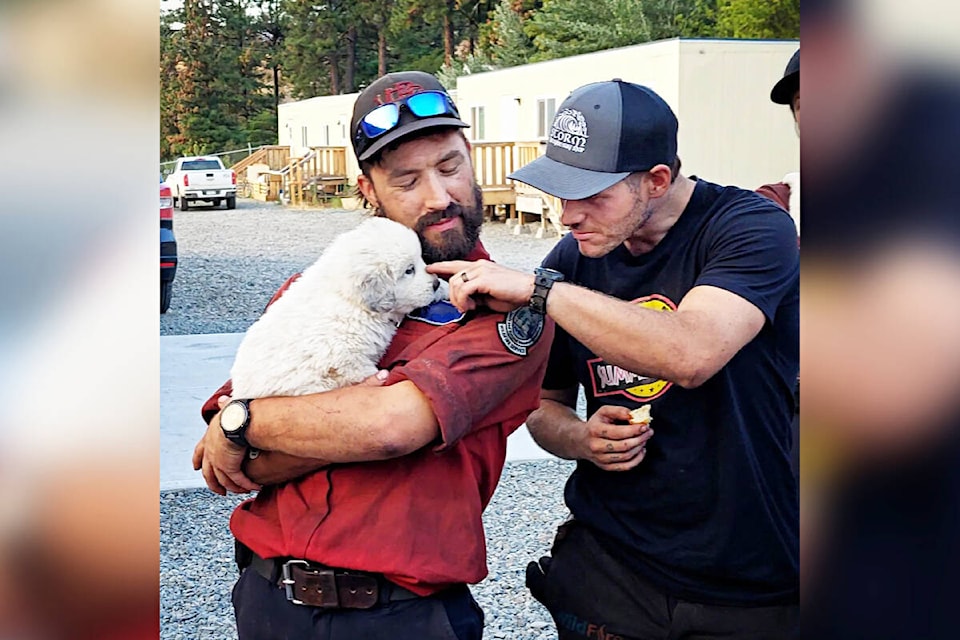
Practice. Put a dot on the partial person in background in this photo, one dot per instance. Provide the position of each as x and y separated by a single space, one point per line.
679 295
787 195
787 91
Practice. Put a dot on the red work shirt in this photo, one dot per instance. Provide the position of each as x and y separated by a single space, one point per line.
779 192
415 519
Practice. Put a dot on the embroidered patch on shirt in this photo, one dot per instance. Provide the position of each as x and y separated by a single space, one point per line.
437 313
520 330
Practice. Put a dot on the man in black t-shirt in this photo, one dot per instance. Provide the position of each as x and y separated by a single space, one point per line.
683 295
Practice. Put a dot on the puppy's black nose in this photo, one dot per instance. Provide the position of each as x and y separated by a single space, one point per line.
436 284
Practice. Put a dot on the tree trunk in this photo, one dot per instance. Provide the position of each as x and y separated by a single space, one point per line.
382 52
448 35
334 73
351 66
276 87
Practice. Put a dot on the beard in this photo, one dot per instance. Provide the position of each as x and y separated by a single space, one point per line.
453 244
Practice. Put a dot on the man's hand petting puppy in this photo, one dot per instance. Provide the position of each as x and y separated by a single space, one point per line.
484 283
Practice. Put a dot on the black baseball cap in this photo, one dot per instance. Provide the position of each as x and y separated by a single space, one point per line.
602 133
398 87
789 84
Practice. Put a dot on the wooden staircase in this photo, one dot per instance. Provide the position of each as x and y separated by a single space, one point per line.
276 157
318 176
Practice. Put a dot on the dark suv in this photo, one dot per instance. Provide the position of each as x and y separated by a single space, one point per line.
168 248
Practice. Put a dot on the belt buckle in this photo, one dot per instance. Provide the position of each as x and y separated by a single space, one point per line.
288 580
320 585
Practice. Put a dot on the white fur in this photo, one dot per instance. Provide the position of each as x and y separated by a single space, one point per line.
793 181
333 324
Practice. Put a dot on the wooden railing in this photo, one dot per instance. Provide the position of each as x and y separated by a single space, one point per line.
527 152
549 208
331 161
276 157
492 161
319 174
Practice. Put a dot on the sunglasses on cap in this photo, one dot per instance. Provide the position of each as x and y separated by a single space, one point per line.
426 104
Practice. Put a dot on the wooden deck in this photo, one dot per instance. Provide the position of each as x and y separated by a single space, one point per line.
317 177
518 202
321 174
251 179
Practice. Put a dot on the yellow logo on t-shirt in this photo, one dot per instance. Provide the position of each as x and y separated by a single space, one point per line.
609 379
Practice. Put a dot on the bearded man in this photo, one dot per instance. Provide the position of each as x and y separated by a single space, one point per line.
368 522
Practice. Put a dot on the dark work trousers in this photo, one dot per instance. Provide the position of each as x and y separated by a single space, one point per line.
591 595
263 613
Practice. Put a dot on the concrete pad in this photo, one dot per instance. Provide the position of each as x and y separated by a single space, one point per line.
193 367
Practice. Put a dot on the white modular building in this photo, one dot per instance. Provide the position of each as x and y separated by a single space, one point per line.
730 132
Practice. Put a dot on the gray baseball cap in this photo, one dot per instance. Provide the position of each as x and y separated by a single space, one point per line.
602 133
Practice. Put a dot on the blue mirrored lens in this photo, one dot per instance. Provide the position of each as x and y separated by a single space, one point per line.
380 120
428 103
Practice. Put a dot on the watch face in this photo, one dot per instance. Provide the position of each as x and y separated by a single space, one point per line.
233 416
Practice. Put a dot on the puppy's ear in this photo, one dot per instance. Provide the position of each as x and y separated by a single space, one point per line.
377 289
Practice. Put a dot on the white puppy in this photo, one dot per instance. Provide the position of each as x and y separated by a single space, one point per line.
333 324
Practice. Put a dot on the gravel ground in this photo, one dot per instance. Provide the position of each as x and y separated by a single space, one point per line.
197 571
231 262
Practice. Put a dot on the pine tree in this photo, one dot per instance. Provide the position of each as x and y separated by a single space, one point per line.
505 40
758 18
570 27
215 94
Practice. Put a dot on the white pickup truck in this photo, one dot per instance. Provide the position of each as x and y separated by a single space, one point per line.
202 178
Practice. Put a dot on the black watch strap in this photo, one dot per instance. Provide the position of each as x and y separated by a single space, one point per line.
542 283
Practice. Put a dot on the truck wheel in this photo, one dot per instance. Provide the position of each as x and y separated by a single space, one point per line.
183 203
166 293
231 202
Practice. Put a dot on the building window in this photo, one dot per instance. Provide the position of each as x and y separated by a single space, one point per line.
303 137
546 109
477 124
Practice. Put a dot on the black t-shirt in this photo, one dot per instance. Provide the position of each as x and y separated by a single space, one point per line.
711 514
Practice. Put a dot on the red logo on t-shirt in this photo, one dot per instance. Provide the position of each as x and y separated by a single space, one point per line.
399 91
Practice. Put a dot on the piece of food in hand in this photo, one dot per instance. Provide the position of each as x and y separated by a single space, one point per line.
641 415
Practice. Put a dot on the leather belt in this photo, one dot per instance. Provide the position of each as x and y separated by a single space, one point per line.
320 586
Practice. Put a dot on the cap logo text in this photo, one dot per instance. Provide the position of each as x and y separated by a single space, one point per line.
398 91
569 131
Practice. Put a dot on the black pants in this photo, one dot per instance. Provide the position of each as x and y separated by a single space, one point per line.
590 595
263 613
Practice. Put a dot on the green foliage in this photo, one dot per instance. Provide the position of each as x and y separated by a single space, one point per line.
698 20
213 90
677 18
225 64
569 27
462 66
767 19
505 41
